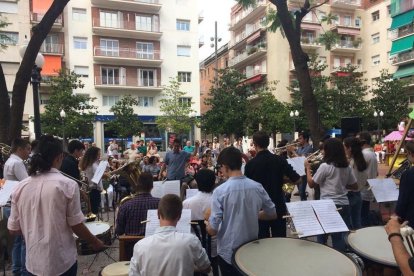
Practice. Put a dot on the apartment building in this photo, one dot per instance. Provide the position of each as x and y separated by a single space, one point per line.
402 35
117 47
362 28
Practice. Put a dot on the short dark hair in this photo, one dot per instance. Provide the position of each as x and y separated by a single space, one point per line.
170 207
231 157
152 159
409 146
19 143
205 179
145 182
49 149
34 144
176 141
305 135
261 139
365 137
75 145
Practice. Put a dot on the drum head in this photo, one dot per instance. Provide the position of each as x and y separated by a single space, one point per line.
116 269
97 228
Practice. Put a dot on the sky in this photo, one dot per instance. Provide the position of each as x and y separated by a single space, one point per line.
214 10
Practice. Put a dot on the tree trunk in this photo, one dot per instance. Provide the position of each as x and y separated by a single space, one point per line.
4 107
292 31
39 33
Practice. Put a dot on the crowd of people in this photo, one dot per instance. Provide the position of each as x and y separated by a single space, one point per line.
240 198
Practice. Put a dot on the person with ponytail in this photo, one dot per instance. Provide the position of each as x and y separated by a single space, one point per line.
46 211
88 165
353 150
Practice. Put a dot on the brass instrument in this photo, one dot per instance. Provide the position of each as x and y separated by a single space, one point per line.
5 149
281 150
131 172
288 187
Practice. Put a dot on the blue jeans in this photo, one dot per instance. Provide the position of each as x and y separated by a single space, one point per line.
355 204
338 239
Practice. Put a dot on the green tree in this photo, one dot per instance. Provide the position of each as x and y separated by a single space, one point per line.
3 38
80 113
228 101
176 110
126 123
389 96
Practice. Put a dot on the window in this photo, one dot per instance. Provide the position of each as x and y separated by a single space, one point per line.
109 19
376 60
375 16
347 20
146 101
9 38
147 77
183 25
143 23
358 22
109 100
110 75
375 38
389 9
44 99
145 50
80 42
79 15
185 101
81 71
183 51
109 47
8 7
184 76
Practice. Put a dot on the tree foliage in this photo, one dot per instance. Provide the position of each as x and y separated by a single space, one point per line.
176 112
228 101
80 113
126 122
3 37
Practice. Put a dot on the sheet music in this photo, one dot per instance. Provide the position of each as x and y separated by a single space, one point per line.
190 193
384 189
298 164
99 172
6 191
329 218
161 188
183 225
304 219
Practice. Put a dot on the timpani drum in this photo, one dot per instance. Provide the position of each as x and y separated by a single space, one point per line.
101 230
292 257
371 243
116 269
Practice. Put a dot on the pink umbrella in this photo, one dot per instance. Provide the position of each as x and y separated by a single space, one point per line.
395 136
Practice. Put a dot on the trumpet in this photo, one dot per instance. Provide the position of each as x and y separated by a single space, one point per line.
317 156
5 149
280 150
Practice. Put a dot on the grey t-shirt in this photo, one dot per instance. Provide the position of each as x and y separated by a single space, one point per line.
332 181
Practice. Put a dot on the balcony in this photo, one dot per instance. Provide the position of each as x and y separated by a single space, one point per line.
254 76
126 29
246 34
404 58
346 28
126 56
310 43
346 46
402 32
124 83
35 18
248 56
145 6
346 4
51 49
247 15
338 68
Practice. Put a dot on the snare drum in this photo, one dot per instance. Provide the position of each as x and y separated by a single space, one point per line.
116 269
101 230
275 256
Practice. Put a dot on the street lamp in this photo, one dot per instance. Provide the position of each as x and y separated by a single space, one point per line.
294 115
35 80
378 115
63 115
214 42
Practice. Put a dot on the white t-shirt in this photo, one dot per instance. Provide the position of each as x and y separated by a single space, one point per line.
332 181
372 171
361 177
198 204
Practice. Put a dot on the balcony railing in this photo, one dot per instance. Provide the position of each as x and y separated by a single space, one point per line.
338 68
37 17
254 72
246 33
246 12
126 25
124 81
309 41
56 49
395 34
247 53
126 53
403 57
345 25
348 44
354 3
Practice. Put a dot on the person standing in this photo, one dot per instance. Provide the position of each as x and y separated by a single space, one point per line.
15 170
131 154
175 162
269 170
236 207
46 210
70 164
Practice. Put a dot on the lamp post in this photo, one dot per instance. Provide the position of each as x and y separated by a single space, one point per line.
294 115
378 115
63 115
35 80
214 41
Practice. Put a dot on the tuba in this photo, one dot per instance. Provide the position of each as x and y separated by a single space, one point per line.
131 171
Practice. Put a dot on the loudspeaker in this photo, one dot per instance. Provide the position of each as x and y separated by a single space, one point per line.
350 126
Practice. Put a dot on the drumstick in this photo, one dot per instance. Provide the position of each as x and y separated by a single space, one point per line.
339 209
297 233
287 216
412 244
145 221
409 244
